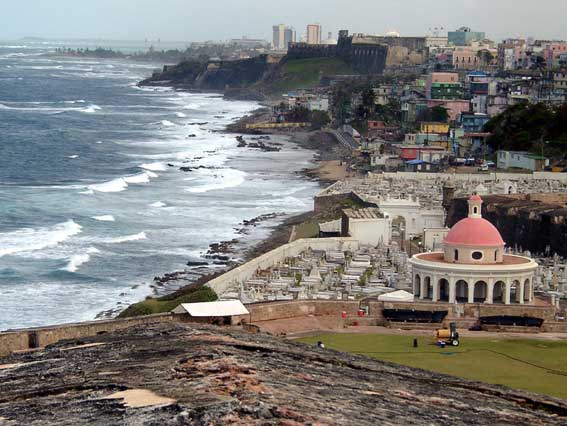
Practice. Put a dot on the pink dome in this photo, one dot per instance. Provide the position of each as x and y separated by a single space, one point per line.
475 197
475 232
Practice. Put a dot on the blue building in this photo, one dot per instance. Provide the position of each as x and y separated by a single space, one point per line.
464 36
473 123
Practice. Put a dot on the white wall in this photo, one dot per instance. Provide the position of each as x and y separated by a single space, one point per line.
371 232
433 238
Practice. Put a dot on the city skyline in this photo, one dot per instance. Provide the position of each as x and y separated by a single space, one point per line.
168 21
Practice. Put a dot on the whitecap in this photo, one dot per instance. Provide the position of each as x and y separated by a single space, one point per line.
192 106
91 109
222 179
154 167
167 123
76 261
128 238
159 204
105 218
181 115
33 239
73 157
140 178
116 185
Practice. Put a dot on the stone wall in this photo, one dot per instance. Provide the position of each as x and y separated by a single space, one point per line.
270 311
234 277
364 58
21 340
481 177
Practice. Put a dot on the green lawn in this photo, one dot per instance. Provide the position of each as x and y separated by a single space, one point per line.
534 365
305 73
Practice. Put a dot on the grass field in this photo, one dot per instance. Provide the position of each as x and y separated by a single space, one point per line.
305 73
534 365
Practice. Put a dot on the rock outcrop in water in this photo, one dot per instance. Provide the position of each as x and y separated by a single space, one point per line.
172 374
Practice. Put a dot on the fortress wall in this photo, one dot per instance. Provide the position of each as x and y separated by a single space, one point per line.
22 340
233 278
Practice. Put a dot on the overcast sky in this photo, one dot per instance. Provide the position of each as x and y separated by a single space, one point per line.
196 20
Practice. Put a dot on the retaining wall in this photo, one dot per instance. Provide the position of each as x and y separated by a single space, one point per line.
480 177
233 278
21 340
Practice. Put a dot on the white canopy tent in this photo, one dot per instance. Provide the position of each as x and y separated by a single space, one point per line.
227 308
397 296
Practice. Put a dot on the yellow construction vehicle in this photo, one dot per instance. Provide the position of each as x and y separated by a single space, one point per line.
448 336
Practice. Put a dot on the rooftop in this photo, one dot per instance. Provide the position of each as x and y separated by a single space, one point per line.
371 213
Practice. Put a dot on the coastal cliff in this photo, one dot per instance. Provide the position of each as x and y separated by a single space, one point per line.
172 374
249 79
219 77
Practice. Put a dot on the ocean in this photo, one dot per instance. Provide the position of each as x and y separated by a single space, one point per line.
93 204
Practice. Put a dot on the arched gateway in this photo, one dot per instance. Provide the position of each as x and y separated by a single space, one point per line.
473 266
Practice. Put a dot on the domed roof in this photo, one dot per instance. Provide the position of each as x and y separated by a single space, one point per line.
476 232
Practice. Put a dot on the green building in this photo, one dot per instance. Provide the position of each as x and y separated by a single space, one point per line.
446 91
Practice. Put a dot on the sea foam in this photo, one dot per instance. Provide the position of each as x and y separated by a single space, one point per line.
80 259
154 167
128 238
91 109
33 239
105 218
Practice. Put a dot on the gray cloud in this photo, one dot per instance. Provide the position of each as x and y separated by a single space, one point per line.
188 20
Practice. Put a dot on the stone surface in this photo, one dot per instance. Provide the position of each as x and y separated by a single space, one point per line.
200 375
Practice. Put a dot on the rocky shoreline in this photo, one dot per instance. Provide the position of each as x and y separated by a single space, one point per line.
222 256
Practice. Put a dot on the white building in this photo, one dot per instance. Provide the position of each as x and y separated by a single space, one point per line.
473 266
368 226
319 103
521 160
433 238
415 218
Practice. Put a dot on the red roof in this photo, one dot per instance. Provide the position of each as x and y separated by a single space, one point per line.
476 197
475 232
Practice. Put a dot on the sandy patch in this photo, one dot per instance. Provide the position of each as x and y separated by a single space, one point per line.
90 345
137 398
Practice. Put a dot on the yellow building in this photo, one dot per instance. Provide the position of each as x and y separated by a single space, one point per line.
434 128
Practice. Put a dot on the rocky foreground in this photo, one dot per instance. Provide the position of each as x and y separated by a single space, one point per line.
172 374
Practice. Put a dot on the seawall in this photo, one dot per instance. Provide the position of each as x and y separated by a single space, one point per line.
33 338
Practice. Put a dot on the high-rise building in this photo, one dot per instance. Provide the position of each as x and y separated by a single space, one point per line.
314 34
289 37
464 36
283 36
278 40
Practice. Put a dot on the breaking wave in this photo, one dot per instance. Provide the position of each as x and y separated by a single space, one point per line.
79 259
128 238
33 239
105 218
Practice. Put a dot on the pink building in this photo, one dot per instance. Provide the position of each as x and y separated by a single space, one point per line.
466 58
454 107
552 53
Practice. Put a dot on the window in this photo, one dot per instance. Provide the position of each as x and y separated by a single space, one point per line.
477 255
475 210
456 255
496 256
